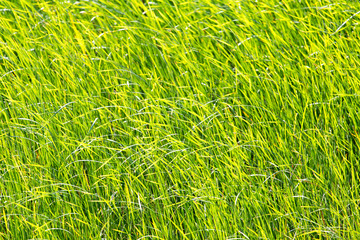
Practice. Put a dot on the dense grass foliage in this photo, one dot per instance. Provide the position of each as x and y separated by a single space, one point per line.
205 119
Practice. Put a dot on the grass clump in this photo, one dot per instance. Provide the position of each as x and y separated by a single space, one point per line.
179 119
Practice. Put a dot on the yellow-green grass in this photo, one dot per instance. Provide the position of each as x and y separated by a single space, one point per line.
206 119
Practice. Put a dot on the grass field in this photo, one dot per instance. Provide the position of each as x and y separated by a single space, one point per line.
201 119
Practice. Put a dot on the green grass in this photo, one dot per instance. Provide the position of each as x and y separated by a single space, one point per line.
205 119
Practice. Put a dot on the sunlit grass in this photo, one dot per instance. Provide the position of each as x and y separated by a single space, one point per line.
176 119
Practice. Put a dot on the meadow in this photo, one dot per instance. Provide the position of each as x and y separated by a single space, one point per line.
175 119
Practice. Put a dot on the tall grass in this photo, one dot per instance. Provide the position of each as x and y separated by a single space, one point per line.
205 119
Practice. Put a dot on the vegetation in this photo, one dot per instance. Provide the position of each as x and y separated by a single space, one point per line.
171 119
